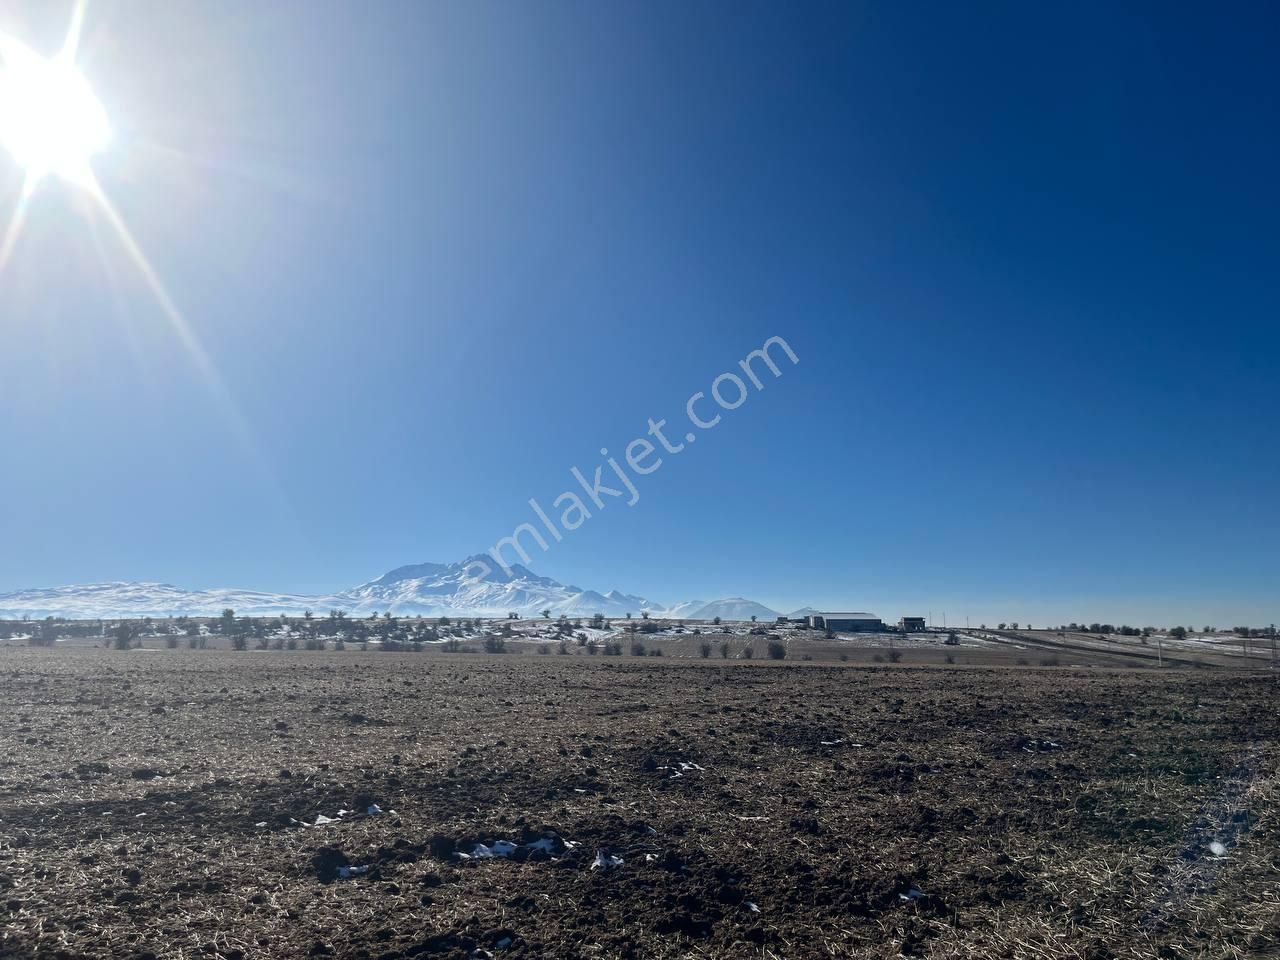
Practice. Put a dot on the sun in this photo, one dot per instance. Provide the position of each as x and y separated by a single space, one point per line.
50 119
53 125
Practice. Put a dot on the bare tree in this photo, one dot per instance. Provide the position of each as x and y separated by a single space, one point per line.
126 635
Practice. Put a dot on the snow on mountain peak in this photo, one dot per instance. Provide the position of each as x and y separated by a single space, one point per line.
414 571
426 589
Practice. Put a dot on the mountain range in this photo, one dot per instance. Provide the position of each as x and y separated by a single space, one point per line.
428 589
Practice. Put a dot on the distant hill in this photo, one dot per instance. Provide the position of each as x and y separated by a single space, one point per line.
732 608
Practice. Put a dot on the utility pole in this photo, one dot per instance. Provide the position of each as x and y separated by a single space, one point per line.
1160 651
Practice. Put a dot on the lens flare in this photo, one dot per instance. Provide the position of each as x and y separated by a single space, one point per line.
50 119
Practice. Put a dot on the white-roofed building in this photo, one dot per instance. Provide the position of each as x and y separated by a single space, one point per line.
845 622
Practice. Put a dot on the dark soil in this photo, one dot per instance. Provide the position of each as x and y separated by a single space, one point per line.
162 803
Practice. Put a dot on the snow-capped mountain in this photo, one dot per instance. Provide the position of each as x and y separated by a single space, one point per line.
430 589
110 600
731 608
687 610
477 587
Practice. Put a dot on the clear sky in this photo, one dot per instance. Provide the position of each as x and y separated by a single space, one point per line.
437 254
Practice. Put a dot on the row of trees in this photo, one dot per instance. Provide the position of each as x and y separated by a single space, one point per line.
337 622
1124 630
263 632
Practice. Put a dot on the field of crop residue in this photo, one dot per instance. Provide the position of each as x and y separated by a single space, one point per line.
211 804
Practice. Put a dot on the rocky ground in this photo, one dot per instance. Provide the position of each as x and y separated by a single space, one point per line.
176 803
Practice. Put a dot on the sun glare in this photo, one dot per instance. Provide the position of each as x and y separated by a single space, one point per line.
50 120
53 125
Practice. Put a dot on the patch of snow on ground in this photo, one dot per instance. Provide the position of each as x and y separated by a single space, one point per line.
500 848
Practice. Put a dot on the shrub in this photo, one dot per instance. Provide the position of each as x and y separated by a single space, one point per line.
748 653
724 651
613 649
291 643
777 650
953 639
125 635
949 658
495 644
637 648
564 648
895 656
171 641
239 642
655 652
705 650
878 658
844 658
1050 662
544 649
339 644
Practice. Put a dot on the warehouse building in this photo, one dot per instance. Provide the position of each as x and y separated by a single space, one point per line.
912 625
846 622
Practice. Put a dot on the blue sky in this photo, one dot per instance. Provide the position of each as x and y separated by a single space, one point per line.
438 254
